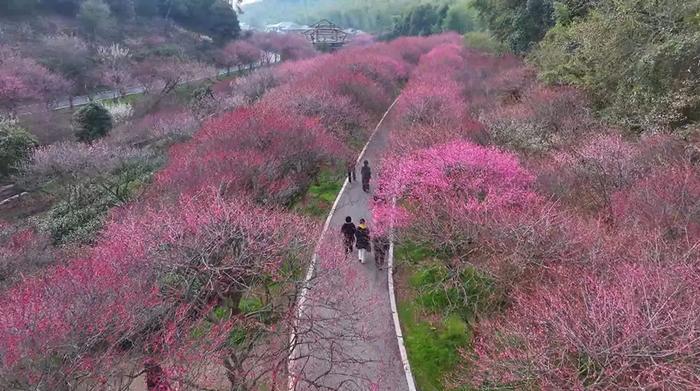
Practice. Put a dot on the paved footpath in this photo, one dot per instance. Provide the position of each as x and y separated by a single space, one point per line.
347 338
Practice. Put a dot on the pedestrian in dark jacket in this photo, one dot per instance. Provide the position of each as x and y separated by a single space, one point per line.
362 239
366 173
348 230
381 249
351 171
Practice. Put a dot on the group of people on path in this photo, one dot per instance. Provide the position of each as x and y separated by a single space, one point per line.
359 236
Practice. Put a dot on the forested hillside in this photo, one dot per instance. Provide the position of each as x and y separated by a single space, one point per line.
370 16
215 18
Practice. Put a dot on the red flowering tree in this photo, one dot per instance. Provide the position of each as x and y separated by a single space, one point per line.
288 46
446 194
431 108
271 153
666 201
24 81
196 276
164 74
22 251
631 326
588 175
337 113
145 289
412 48
238 53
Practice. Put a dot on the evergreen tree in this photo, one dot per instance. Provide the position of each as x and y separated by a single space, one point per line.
15 145
517 23
91 122
93 15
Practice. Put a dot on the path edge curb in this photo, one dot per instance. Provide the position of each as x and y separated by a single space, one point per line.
291 384
395 312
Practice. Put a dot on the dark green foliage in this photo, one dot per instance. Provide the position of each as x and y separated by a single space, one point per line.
518 23
221 23
17 7
15 145
462 18
215 18
94 16
146 8
638 59
123 9
64 7
91 122
422 20
427 19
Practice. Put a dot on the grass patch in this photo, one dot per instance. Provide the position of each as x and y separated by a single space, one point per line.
412 252
319 199
128 99
437 308
432 346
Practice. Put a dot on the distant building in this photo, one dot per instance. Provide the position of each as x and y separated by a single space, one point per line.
286 27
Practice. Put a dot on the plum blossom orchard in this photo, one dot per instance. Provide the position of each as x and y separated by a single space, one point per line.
198 275
590 235
23 80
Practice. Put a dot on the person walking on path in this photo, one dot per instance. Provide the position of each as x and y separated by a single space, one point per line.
366 173
351 170
348 230
362 240
381 249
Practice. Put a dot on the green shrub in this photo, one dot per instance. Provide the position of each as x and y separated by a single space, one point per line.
483 41
91 122
462 17
79 216
250 304
518 24
16 145
467 293
237 336
479 294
